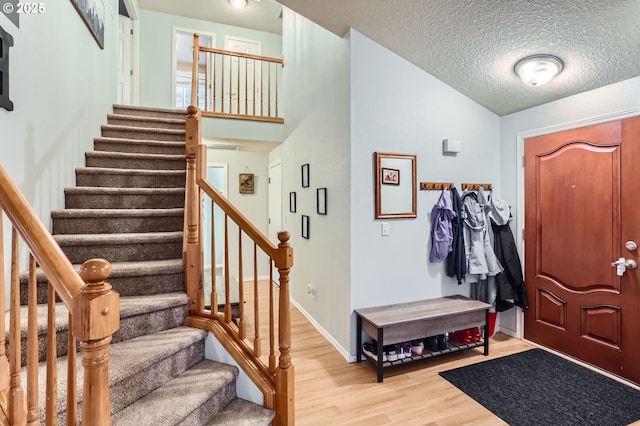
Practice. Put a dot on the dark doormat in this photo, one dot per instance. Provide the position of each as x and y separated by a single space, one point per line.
539 388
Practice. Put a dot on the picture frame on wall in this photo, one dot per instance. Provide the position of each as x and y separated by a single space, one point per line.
292 202
321 201
305 227
305 175
246 183
390 176
92 13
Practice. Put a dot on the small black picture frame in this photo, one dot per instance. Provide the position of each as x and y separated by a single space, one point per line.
321 201
305 175
305 226
292 202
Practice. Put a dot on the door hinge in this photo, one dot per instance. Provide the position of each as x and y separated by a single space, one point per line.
131 31
269 180
523 161
131 72
522 234
269 221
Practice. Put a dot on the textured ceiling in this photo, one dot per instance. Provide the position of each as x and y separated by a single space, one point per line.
472 45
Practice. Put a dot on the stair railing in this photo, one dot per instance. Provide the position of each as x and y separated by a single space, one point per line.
228 84
235 315
94 315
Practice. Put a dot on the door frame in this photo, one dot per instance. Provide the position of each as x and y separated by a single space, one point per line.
134 15
174 35
520 137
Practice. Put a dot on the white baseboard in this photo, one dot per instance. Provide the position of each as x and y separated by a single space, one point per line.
324 333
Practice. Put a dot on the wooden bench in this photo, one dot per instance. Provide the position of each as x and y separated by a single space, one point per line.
404 322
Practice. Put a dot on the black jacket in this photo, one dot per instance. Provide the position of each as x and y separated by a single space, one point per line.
457 257
510 283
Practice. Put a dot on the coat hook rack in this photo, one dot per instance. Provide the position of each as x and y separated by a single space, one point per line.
476 186
435 186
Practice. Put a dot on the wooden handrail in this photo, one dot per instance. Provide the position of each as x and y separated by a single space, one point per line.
55 264
242 55
94 316
236 85
275 381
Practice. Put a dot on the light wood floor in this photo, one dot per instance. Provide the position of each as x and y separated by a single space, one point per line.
331 391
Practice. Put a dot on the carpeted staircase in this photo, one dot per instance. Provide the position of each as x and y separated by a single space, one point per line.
128 208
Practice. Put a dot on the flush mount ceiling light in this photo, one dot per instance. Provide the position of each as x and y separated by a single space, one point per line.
537 70
238 4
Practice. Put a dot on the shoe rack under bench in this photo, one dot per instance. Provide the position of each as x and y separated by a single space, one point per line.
401 322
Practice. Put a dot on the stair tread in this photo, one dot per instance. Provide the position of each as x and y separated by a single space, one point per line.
139 141
143 129
151 109
146 118
241 412
117 171
134 237
110 190
102 213
179 397
136 155
129 306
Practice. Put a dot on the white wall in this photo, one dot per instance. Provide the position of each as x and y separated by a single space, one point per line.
156 45
62 86
604 104
396 107
316 95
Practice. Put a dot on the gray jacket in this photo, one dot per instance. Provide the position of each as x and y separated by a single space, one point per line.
481 259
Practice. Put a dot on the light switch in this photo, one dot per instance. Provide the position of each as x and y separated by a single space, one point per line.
385 229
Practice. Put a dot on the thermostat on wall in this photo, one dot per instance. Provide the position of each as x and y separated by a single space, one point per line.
451 146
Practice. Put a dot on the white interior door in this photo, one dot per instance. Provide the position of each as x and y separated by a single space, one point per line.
125 72
244 76
275 200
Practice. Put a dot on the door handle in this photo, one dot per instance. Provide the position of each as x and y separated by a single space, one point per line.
622 265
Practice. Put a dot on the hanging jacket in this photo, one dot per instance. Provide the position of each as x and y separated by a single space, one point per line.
510 283
481 259
457 259
441 231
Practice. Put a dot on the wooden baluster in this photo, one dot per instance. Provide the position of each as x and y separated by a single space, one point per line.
193 263
272 323
277 114
269 92
52 357
246 86
33 412
257 349
227 298
253 109
213 101
222 88
72 381
96 313
17 409
194 70
4 362
262 88
214 291
230 84
241 323
285 413
238 88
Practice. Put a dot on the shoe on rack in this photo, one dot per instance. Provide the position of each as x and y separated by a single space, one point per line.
392 355
400 351
431 343
407 349
475 334
417 347
442 344
371 350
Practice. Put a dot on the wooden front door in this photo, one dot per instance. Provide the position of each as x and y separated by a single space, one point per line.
582 205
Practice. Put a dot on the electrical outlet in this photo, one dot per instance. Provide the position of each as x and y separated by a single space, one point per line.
385 229
311 290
